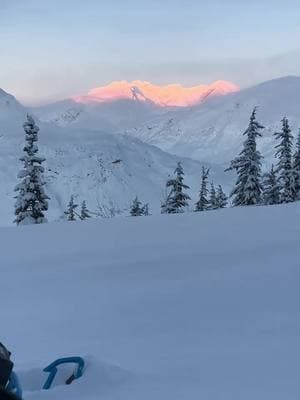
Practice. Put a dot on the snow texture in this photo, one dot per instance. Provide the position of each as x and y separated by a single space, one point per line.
191 306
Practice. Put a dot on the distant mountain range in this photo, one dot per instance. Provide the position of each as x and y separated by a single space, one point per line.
110 151
122 105
174 95
106 170
211 130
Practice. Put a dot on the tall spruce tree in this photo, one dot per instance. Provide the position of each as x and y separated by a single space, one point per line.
287 176
296 166
212 204
271 189
203 202
248 188
70 212
31 200
177 199
136 209
84 211
222 199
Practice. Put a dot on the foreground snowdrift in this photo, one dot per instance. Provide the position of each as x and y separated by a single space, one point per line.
192 306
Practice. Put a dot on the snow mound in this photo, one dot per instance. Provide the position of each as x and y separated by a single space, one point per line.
99 378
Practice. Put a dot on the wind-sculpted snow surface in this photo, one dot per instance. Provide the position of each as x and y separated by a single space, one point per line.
193 306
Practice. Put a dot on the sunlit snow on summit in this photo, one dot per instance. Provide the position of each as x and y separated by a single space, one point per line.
174 95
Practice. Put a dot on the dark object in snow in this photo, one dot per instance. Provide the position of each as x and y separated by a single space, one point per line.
6 395
6 365
116 161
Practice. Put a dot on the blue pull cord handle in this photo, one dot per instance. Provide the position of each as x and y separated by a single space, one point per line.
52 369
14 385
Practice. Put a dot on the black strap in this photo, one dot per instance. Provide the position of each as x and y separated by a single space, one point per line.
70 379
4 353
6 367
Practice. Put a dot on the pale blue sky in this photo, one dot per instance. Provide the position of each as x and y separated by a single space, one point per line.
51 49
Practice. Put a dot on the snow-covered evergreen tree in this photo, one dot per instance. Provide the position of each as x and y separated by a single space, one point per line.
287 176
84 211
166 205
212 203
70 212
31 200
146 211
248 188
136 209
271 188
177 199
296 166
203 202
222 199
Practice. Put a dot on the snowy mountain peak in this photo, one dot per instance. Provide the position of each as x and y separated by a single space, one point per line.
213 130
173 95
6 97
12 113
3 93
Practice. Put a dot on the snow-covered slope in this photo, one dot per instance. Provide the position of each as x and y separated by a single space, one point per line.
195 306
106 170
113 117
213 130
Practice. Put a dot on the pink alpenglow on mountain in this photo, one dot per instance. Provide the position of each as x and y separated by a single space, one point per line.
173 95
